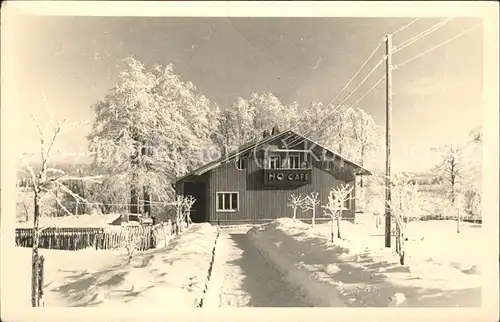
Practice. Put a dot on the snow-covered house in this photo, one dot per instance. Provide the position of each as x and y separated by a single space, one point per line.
253 183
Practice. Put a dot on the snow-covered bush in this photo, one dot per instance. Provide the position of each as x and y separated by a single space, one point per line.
131 238
472 202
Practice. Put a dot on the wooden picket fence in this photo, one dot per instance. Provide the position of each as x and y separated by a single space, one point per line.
60 238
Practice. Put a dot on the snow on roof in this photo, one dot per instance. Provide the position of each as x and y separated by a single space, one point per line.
259 143
80 221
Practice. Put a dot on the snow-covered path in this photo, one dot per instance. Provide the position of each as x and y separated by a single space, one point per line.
249 280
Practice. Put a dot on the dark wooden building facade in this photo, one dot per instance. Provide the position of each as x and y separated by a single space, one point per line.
254 183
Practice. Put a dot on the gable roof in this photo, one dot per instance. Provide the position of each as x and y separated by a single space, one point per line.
359 170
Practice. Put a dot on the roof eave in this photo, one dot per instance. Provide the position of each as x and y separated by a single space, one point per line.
359 170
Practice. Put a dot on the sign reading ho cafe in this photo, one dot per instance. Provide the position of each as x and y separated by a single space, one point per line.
287 177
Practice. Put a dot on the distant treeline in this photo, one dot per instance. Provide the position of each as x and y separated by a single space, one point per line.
427 181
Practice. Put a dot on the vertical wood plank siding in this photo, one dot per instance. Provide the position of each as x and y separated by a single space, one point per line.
258 202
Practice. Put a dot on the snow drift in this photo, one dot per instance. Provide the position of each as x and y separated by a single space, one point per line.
174 276
442 266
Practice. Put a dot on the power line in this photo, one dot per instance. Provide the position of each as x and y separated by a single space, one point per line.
357 72
367 92
437 46
364 79
405 43
298 141
405 26
421 35
425 32
325 119
362 96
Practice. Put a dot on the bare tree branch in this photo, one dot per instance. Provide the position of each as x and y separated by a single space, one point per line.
64 208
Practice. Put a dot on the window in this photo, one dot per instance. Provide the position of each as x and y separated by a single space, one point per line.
241 164
294 162
327 164
227 201
274 161
348 202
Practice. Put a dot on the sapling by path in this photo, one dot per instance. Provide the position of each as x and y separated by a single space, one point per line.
336 204
310 202
295 202
183 207
179 205
404 202
131 238
188 204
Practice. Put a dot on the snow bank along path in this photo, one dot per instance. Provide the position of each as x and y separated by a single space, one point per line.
243 278
318 292
209 273
358 271
173 276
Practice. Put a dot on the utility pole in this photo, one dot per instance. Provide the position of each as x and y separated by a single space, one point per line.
388 138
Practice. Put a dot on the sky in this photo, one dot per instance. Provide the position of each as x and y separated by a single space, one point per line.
74 61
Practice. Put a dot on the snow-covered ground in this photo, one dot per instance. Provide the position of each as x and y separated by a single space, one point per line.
174 276
442 267
242 277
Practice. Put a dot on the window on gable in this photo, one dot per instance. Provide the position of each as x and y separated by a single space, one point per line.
241 164
294 162
274 162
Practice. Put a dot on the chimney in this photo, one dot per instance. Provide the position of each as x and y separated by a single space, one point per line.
276 130
265 134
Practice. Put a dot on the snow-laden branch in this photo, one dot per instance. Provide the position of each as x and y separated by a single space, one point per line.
295 202
311 202
336 205
404 203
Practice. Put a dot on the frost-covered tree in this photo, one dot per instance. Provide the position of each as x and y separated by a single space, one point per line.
365 133
375 195
295 202
404 201
151 128
236 125
476 135
336 204
188 204
247 119
330 126
47 179
270 112
460 168
450 167
343 131
366 136
311 202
